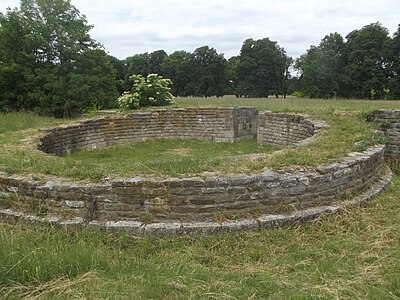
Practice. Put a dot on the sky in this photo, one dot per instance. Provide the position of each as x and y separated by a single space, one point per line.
128 27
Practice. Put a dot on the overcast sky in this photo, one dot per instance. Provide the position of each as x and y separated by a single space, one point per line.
127 27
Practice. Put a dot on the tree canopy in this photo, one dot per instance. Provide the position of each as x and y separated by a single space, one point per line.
365 71
364 65
261 69
394 65
322 66
177 67
49 63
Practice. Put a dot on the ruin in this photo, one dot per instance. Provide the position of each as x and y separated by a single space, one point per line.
199 204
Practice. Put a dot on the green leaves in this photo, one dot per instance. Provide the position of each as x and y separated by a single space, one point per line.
150 91
361 67
261 69
49 62
365 70
322 66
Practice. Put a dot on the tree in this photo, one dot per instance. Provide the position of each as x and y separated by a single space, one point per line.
177 67
143 64
120 68
137 64
16 60
208 70
285 79
394 69
321 67
156 59
261 68
201 73
46 46
232 71
366 72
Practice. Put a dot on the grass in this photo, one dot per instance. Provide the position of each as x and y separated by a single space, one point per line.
290 104
158 158
352 255
12 122
181 159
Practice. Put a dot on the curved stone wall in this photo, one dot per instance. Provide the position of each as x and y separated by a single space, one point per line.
389 123
205 227
177 201
283 129
199 199
205 124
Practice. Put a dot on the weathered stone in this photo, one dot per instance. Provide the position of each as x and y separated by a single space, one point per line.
132 227
212 124
163 228
201 228
75 204
247 224
72 222
195 198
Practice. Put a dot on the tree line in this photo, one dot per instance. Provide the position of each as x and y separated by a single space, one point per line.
51 65
363 65
261 69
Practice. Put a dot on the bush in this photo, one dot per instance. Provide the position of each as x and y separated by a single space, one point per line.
298 94
150 91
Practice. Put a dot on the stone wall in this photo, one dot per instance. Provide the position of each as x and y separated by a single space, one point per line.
177 201
206 124
389 123
198 199
283 129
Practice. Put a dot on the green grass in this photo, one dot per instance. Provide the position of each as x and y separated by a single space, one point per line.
18 141
158 158
352 255
291 104
11 122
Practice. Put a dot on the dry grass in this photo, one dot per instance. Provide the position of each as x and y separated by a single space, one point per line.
54 289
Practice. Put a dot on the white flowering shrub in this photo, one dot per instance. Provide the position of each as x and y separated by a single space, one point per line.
150 91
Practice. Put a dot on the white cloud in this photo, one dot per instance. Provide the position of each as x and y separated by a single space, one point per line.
127 27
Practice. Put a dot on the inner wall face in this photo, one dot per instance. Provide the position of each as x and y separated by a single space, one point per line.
194 199
204 124
207 124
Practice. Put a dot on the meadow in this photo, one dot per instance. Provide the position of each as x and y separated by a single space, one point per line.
351 255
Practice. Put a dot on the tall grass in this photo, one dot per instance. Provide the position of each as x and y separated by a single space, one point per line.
10 122
352 255
26 257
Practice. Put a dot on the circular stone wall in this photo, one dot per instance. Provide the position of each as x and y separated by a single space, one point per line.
389 123
204 124
197 203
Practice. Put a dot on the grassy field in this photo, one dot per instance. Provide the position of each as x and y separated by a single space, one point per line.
351 255
18 141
